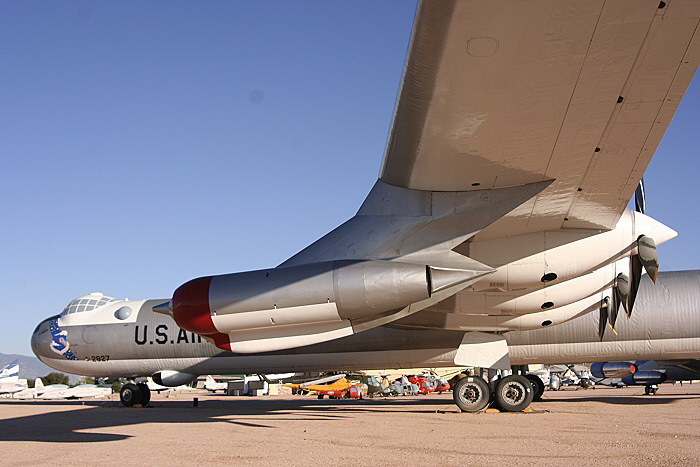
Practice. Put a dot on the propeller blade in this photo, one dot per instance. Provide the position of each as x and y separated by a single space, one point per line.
646 249
635 278
603 318
614 306
640 202
623 292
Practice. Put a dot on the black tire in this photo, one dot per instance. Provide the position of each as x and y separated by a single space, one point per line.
145 393
320 396
471 394
130 395
537 387
513 393
585 383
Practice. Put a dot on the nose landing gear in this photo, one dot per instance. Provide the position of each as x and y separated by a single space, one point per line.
135 394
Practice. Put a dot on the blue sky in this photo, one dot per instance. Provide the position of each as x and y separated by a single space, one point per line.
147 143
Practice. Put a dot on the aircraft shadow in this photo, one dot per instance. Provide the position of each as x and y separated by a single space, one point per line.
70 426
55 424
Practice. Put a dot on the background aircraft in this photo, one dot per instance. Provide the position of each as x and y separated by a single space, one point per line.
9 379
32 393
516 145
81 391
648 373
211 385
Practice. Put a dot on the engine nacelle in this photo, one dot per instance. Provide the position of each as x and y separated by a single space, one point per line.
303 304
172 379
543 298
613 369
645 378
559 255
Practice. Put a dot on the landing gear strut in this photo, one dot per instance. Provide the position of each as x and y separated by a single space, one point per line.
135 394
651 389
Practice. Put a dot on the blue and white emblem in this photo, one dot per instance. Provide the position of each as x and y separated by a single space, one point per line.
59 341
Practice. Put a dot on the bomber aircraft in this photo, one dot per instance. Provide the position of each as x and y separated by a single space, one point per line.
520 134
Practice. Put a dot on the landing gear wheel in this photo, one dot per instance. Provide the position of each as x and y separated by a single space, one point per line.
145 394
537 387
471 394
320 396
513 393
585 383
130 395
651 390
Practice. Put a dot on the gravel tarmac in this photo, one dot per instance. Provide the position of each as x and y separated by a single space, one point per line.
596 426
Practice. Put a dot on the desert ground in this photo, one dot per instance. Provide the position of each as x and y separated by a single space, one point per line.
581 427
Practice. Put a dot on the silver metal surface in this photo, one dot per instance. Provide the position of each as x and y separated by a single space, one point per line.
504 93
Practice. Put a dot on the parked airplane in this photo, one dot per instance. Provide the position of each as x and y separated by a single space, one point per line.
61 391
10 381
521 131
211 385
31 393
312 385
648 373
10 372
81 391
338 389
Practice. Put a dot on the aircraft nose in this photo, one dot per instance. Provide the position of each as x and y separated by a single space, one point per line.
41 339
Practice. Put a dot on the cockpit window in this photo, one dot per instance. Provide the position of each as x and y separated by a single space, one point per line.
87 303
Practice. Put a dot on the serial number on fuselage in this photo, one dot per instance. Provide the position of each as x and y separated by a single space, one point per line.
98 358
163 335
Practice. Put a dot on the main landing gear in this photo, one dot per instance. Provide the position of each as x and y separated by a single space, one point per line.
135 394
512 393
651 389
537 387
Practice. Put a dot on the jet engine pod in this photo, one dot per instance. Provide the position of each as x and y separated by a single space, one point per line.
613 369
172 379
321 299
645 378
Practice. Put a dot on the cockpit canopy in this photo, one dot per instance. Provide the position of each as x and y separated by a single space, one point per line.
87 303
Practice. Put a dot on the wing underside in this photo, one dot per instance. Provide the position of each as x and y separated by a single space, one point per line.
505 93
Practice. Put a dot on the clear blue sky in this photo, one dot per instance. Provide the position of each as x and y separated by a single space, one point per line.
147 143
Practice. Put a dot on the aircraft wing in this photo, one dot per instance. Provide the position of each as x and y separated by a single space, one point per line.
498 94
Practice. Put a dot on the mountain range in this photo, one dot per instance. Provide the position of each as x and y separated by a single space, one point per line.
29 367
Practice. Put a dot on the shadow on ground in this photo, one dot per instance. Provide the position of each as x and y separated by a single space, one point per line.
62 426
60 423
